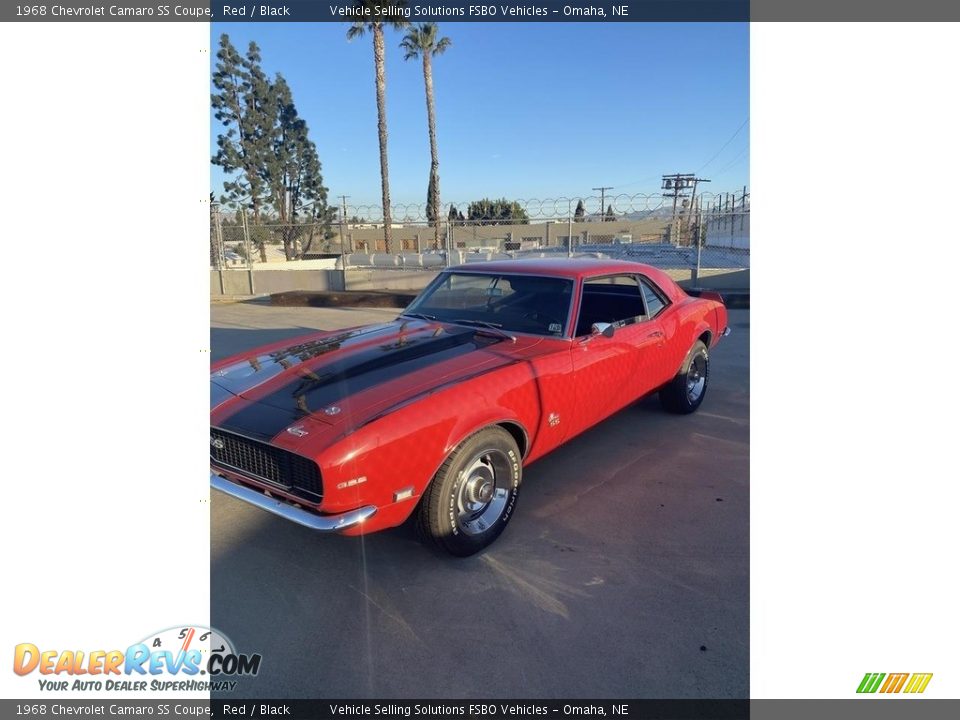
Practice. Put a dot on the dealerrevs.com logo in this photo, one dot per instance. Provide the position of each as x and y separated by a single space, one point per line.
910 683
182 659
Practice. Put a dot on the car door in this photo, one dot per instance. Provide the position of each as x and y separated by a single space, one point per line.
605 369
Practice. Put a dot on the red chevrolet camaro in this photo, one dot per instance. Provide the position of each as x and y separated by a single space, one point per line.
438 412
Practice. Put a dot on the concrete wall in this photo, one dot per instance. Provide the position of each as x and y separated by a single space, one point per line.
721 279
276 281
266 282
230 282
370 279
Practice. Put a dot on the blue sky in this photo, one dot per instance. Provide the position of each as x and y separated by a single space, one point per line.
523 110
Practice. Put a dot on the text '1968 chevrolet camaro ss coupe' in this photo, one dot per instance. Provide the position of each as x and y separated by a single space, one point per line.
437 412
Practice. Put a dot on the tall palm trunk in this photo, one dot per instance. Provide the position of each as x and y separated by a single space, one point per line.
434 158
379 62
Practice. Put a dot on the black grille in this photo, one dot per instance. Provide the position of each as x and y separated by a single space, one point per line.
294 473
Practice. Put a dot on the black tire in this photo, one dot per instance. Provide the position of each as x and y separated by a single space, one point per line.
473 495
686 391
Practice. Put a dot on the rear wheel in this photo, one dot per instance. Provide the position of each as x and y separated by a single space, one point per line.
686 391
473 495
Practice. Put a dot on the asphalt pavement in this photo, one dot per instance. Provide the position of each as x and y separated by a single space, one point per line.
623 574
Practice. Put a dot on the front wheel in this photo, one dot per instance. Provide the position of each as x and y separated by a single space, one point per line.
473 495
685 392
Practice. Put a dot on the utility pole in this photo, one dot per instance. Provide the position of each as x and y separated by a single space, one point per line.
676 186
343 238
693 203
603 204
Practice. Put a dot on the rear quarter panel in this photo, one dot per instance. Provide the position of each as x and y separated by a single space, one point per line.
695 318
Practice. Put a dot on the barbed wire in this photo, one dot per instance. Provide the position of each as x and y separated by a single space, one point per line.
559 208
646 222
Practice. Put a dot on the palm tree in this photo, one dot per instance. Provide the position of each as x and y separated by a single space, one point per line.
358 29
423 41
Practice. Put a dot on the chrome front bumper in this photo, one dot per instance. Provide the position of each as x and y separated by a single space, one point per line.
321 523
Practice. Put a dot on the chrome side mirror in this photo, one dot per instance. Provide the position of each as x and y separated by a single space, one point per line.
605 329
598 329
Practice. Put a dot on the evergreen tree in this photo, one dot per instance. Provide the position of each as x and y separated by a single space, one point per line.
497 212
291 170
610 217
580 211
241 103
266 148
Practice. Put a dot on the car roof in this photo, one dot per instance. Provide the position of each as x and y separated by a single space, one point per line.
561 267
573 268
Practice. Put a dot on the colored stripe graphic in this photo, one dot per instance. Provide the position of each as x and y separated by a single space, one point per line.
918 683
870 682
894 682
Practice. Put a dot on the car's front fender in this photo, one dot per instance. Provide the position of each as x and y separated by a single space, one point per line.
391 460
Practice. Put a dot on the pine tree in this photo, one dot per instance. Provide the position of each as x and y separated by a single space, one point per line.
241 103
266 148
292 168
610 217
580 211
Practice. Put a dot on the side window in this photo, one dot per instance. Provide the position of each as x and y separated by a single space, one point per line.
655 303
614 299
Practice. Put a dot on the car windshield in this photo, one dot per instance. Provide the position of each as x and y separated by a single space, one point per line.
517 303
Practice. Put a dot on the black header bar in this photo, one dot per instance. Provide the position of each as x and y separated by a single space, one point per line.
458 11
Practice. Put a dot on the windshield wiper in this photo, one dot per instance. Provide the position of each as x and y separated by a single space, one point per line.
419 316
495 327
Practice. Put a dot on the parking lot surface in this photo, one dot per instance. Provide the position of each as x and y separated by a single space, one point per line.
623 574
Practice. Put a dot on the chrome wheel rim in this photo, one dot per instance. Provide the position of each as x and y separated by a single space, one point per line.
696 378
483 492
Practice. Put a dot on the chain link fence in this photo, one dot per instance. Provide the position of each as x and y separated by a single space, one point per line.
707 233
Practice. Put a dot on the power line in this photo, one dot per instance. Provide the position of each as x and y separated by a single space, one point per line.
724 146
733 162
715 156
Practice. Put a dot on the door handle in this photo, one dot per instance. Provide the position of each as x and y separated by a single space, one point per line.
655 334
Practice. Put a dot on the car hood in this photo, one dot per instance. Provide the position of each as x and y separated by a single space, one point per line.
349 376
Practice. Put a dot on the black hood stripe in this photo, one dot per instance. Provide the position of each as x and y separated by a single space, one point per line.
246 374
315 389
